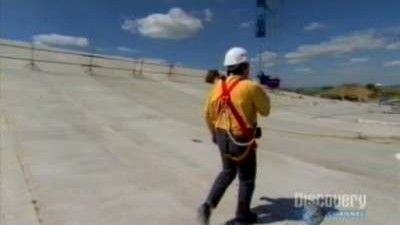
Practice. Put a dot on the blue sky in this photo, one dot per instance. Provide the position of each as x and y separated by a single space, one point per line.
312 43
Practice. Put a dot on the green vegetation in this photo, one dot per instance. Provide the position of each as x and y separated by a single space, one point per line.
391 92
353 92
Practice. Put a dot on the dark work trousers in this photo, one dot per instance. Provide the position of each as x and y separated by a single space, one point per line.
230 168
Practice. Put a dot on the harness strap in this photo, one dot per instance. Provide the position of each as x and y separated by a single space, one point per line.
226 98
246 132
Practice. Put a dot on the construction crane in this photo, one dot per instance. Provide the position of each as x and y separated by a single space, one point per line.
268 23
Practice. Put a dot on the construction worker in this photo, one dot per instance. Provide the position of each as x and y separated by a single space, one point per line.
231 114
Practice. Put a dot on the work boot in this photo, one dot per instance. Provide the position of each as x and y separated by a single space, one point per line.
250 218
204 213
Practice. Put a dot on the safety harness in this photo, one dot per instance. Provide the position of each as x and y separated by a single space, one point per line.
226 103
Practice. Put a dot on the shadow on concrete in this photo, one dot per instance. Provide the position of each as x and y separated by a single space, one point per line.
281 209
290 209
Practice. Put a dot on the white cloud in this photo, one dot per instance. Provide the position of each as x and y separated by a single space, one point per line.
61 40
269 59
395 63
176 24
208 15
126 49
303 70
393 46
245 24
155 60
336 46
359 60
314 26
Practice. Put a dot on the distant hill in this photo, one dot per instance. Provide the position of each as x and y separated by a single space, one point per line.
396 86
352 92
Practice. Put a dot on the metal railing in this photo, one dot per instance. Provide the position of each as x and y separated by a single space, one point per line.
91 65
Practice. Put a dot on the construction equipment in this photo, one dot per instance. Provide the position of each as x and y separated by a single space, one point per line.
268 23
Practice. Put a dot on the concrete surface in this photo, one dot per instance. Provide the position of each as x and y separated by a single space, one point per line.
116 149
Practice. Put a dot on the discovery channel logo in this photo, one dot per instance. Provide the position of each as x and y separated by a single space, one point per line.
317 207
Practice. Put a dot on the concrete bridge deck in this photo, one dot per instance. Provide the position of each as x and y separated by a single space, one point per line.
113 149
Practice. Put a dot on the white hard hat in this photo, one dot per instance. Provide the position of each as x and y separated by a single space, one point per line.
236 56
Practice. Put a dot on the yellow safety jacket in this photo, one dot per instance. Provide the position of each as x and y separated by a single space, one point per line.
247 97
